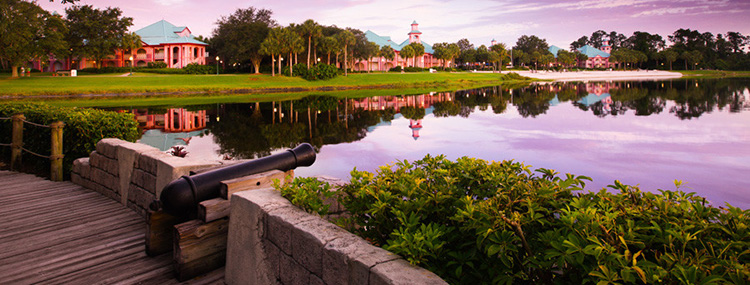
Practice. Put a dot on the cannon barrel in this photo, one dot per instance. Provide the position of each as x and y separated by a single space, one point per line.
181 196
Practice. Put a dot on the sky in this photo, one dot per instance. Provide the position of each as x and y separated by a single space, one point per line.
559 22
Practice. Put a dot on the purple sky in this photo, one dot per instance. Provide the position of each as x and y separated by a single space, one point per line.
560 22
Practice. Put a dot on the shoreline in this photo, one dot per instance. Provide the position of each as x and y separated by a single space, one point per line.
600 75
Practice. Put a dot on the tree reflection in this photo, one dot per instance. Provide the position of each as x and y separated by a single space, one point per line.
252 130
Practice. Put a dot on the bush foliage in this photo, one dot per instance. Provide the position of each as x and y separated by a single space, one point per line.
83 129
472 221
195 68
320 71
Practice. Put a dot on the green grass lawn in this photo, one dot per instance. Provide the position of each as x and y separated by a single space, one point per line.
247 83
714 73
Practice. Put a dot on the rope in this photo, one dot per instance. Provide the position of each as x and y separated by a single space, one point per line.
5 118
34 153
5 144
35 124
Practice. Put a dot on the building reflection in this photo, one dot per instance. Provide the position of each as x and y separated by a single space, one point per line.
256 129
175 126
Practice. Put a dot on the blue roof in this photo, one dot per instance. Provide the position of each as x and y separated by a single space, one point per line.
414 23
592 52
591 99
554 49
383 41
163 32
415 32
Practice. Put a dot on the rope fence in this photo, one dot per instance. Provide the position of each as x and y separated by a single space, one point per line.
56 140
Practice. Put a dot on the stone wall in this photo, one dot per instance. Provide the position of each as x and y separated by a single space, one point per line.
131 173
273 242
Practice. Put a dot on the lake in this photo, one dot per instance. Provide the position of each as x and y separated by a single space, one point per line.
647 133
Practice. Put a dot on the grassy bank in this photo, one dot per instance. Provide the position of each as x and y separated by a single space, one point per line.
145 84
714 73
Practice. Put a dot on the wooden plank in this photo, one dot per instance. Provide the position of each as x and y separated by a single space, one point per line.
58 232
253 182
159 227
214 209
199 247
73 246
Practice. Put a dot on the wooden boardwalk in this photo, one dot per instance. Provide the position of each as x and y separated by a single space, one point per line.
59 232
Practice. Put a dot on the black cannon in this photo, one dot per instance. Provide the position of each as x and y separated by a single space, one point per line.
181 196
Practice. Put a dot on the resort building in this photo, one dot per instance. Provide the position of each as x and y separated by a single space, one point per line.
597 58
382 64
161 42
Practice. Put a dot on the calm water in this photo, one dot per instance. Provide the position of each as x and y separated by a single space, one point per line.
644 133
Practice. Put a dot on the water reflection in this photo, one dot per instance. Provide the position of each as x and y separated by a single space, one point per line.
646 133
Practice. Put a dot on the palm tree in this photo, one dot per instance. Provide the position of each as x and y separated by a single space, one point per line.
406 53
290 43
418 51
328 45
272 46
311 30
502 53
387 52
345 39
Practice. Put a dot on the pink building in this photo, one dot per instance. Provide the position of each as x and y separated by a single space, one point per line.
382 64
597 58
161 42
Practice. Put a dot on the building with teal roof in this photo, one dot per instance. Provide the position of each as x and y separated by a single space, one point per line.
161 42
597 58
379 63
174 45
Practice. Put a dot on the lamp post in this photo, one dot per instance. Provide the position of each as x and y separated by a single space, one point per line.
217 65
131 65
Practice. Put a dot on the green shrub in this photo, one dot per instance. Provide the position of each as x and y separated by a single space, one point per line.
83 129
156 64
395 69
299 69
111 69
414 69
195 68
513 76
165 70
320 71
472 221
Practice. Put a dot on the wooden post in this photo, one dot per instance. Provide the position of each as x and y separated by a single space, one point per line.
199 247
16 142
56 158
159 229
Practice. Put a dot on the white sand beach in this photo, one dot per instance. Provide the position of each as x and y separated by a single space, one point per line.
600 75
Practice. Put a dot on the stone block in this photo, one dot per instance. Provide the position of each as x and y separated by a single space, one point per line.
127 156
137 209
280 223
272 258
309 238
104 191
246 259
363 257
140 196
104 163
400 271
144 180
108 147
336 261
147 161
101 177
171 167
293 272
315 280
80 166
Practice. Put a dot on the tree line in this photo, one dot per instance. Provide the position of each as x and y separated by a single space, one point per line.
251 37
28 32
